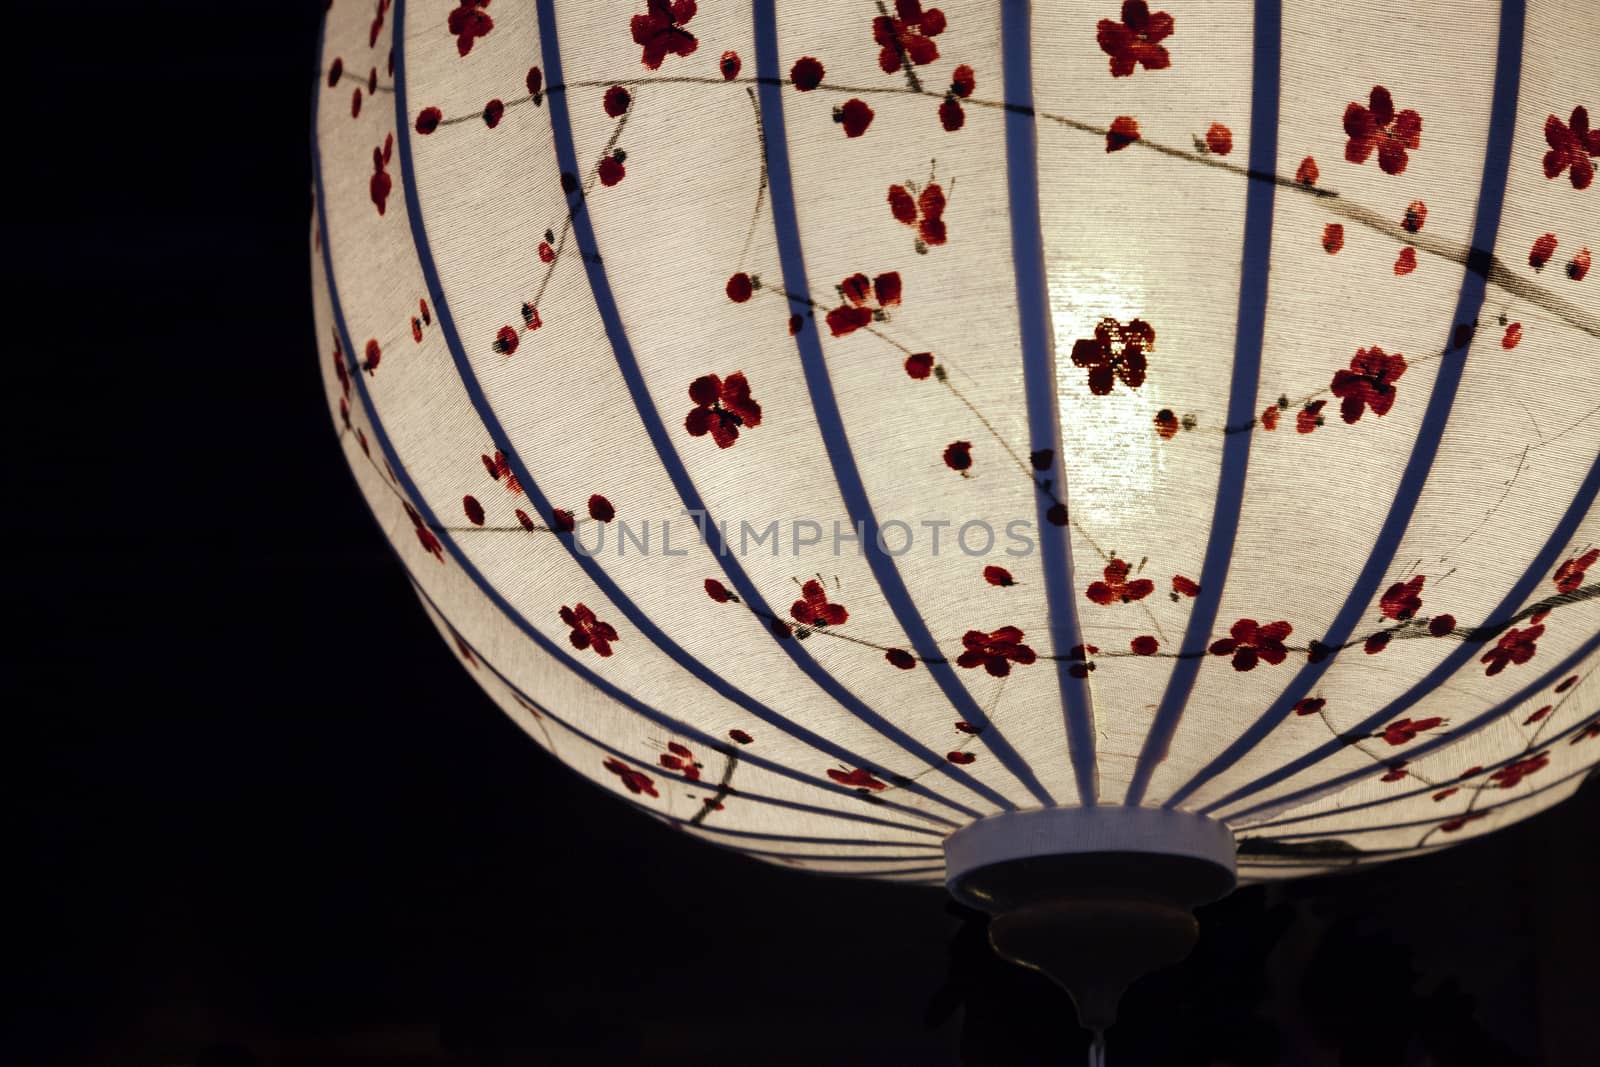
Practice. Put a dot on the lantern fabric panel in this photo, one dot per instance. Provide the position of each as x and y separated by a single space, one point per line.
777 280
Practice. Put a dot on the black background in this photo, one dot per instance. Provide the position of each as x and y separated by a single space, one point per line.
267 819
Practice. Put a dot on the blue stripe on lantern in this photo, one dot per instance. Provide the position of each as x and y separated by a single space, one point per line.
1260 202
780 183
1037 335
721 747
611 316
420 503
1418 750
1553 739
1443 816
1541 566
1491 199
502 442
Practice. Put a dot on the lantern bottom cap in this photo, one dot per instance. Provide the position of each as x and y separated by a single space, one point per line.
1093 898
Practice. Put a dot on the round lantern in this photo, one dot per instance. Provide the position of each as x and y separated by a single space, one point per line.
1078 454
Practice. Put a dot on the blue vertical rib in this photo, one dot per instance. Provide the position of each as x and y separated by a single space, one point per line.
409 487
791 256
1491 199
1037 333
1414 752
1542 564
1260 202
611 316
597 574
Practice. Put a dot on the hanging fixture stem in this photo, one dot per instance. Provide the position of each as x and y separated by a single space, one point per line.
1093 898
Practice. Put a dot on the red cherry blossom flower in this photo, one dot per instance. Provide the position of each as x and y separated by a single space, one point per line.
506 341
926 212
1123 132
492 112
907 35
1512 774
919 365
1402 730
1115 351
1406 261
1166 424
719 592
380 183
1081 654
1578 269
1332 238
807 73
1117 587
1219 139
729 65
1249 641
864 300
679 758
563 519
1310 706
1378 126
963 81
1397 772
425 537
998 576
1377 642
952 116
721 408
1568 684
428 120
374 356
636 781
1310 417
1136 40
1571 145
1144 645
1537 715
1452 825
1440 625
611 170
588 631
473 509
1416 214
616 101
1446 794
740 288
1515 646
1569 576
468 22
854 115
1513 336
1402 600
660 31
600 509
996 651
1307 173
958 455
1269 417
962 758
739 736
1369 383
967 728
499 468
1184 586
1542 250
860 778
900 658
814 610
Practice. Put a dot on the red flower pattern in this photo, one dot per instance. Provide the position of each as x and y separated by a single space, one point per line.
660 31
995 652
1571 145
1402 730
1249 642
722 407
468 22
636 782
1115 351
1512 774
1515 646
1569 576
814 610
1116 586
588 631
860 778
1136 40
926 212
864 300
1369 383
678 758
1402 600
907 35
1378 126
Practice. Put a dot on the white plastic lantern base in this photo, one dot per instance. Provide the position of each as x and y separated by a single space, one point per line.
1064 832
